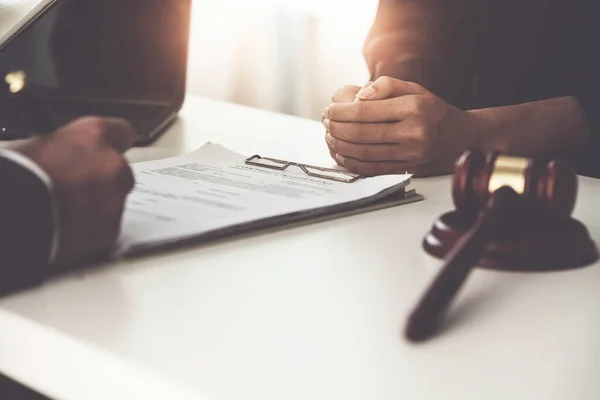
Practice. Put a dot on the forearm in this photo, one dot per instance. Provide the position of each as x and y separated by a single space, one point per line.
424 41
553 128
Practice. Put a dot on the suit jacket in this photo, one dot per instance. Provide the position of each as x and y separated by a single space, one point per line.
489 53
27 223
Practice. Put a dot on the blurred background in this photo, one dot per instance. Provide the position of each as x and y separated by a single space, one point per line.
280 55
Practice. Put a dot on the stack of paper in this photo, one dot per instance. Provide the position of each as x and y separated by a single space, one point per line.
213 193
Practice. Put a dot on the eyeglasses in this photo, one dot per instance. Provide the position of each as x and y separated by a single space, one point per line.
310 170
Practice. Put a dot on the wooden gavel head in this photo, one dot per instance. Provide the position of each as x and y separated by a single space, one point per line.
548 189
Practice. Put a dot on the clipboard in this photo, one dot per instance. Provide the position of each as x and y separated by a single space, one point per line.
396 198
400 195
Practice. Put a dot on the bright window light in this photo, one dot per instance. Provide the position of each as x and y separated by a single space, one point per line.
337 8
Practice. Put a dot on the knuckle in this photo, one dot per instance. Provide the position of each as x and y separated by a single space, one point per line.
121 125
427 136
114 165
422 148
420 133
350 90
385 82
95 129
332 143
413 107
333 127
335 96
418 106
345 94
332 112
331 150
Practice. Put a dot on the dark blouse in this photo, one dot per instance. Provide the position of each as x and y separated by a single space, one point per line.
565 62
517 51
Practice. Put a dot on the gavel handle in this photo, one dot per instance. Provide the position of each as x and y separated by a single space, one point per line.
426 316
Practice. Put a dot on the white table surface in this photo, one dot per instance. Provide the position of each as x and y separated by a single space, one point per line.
308 313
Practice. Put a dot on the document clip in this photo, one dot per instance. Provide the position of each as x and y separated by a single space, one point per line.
324 173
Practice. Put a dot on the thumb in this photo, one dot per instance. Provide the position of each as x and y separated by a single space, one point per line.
386 87
366 85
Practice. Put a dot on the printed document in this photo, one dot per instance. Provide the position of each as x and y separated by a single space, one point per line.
213 188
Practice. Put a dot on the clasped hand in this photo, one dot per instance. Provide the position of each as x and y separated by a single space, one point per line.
393 126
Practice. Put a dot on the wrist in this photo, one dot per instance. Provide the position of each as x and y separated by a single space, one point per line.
486 129
553 127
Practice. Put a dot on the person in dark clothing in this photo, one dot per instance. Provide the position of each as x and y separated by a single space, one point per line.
511 76
62 197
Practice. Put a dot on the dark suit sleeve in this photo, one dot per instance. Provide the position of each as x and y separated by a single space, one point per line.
27 228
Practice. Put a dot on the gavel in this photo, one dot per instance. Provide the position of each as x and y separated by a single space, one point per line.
498 194
547 189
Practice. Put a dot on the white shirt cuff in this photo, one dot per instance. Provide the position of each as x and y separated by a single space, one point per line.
29 164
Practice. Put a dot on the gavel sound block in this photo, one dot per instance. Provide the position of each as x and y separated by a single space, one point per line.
539 235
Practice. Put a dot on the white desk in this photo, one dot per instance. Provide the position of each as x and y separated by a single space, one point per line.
308 313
